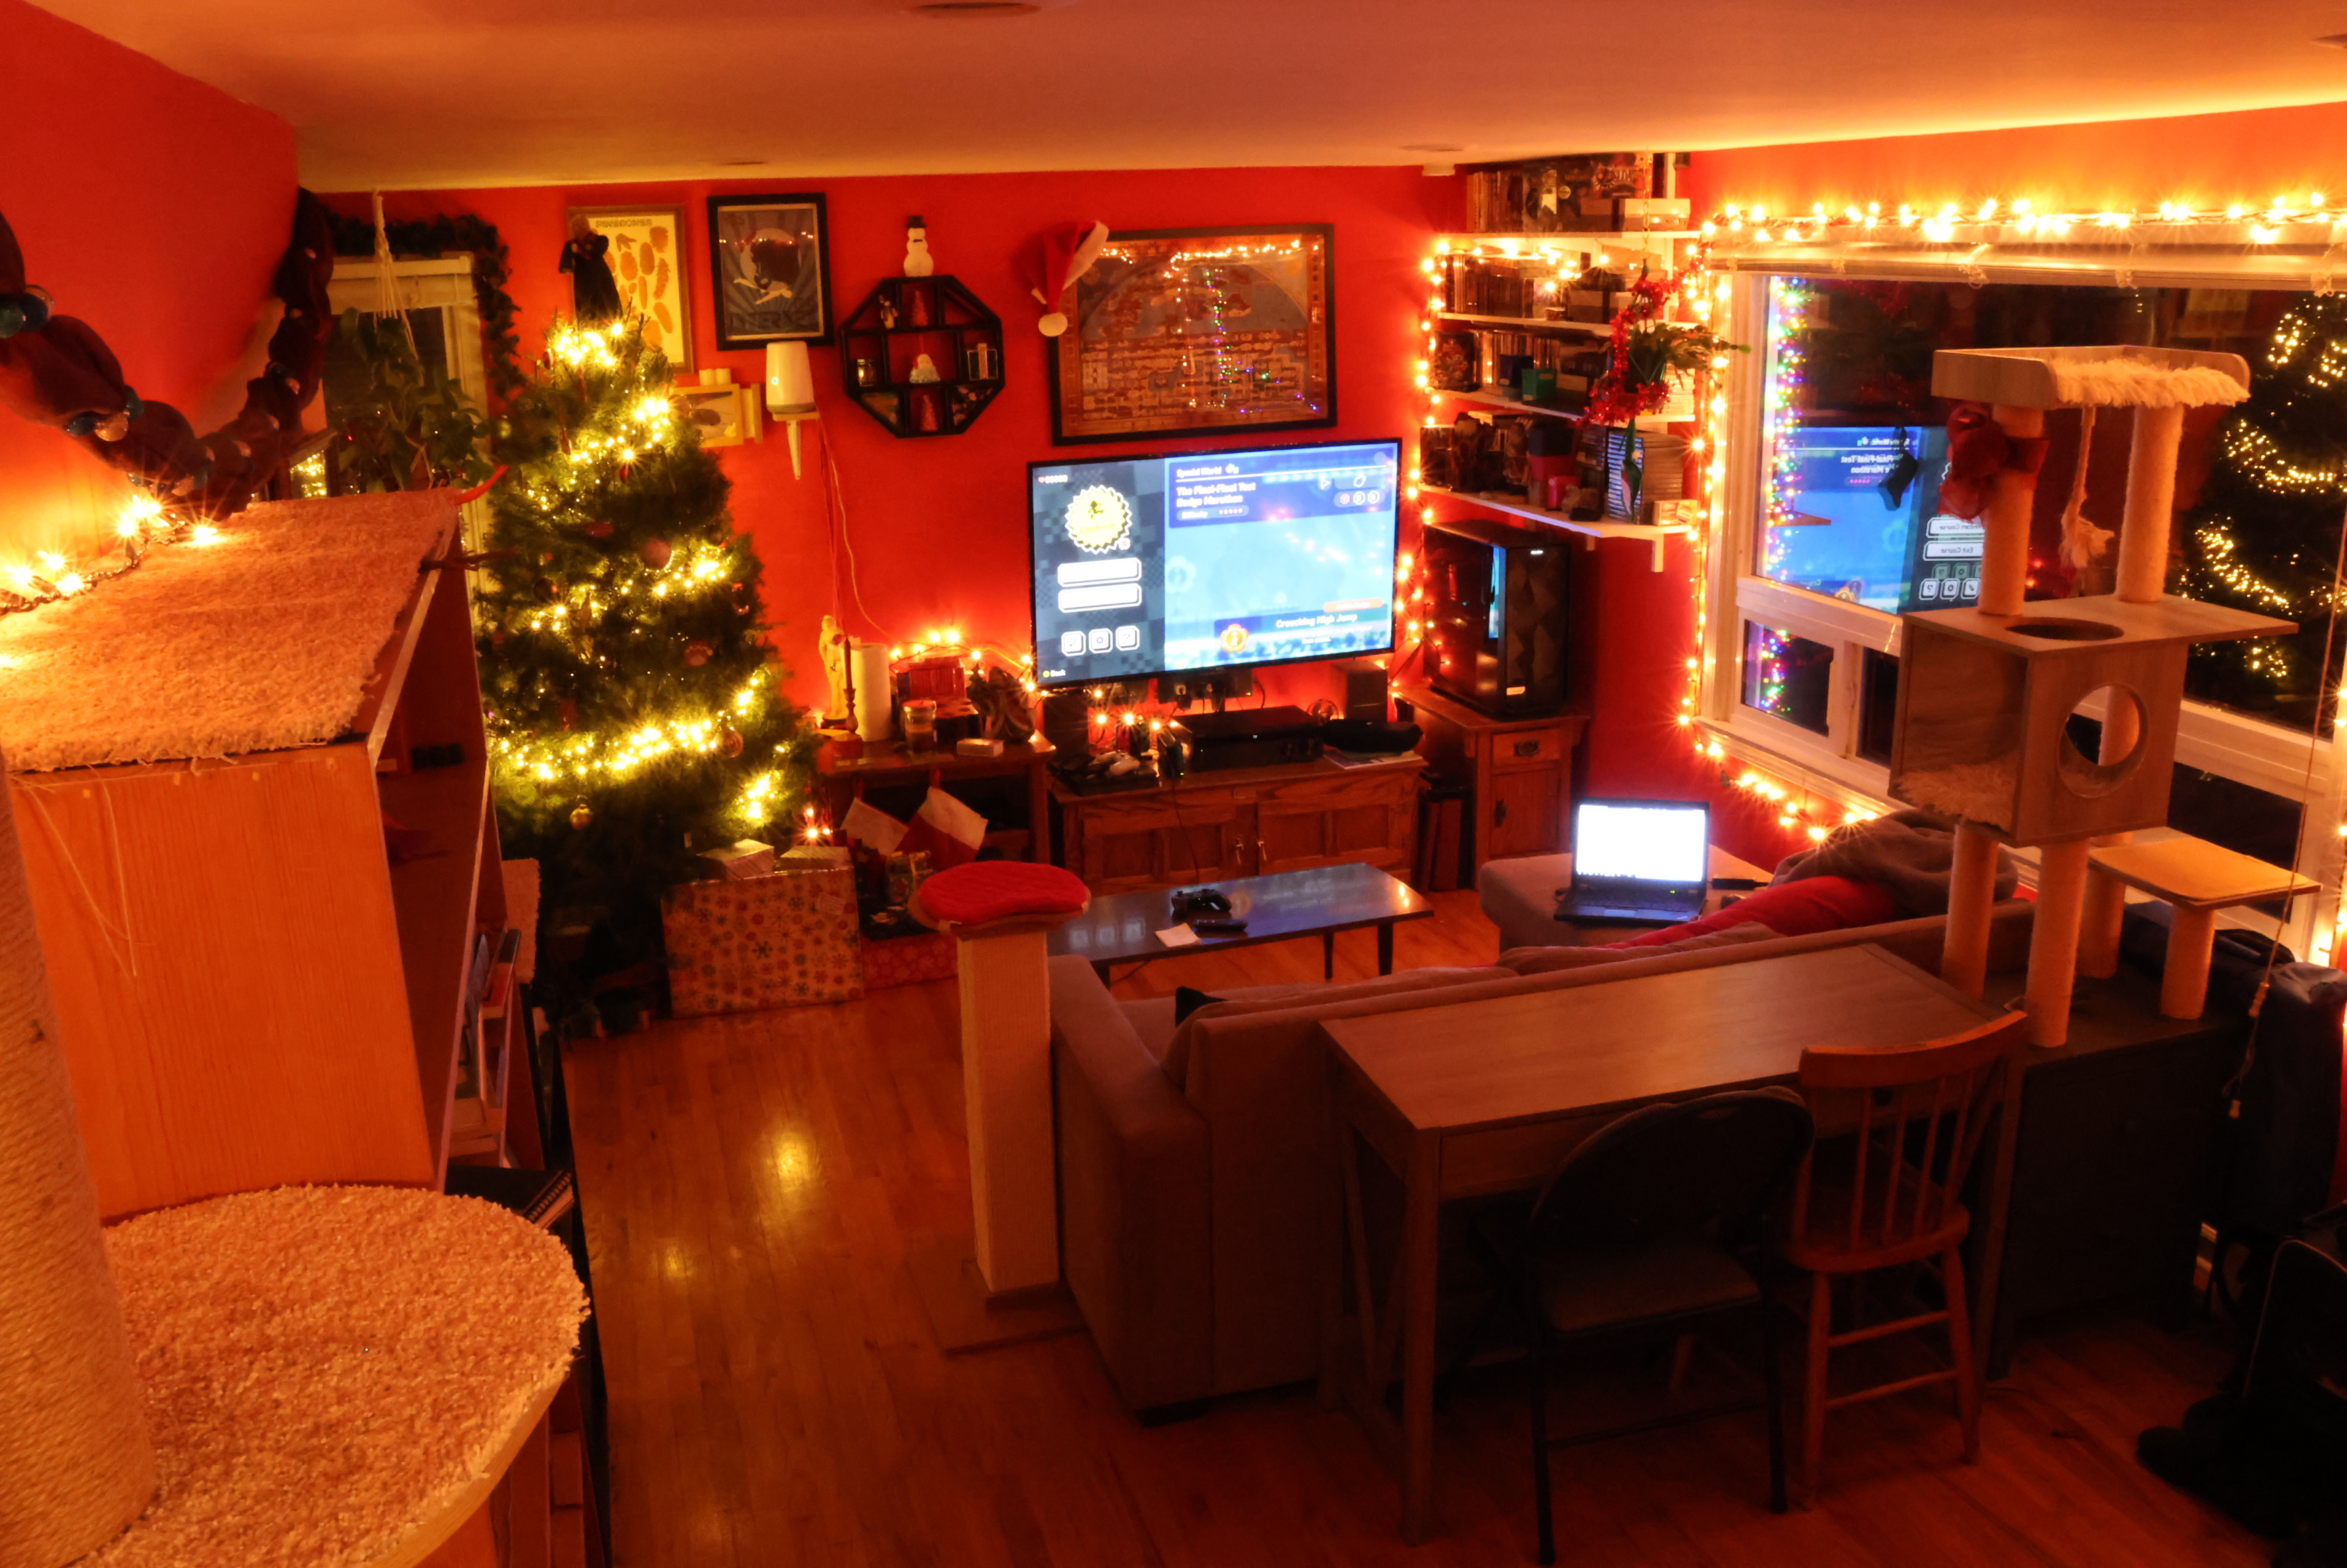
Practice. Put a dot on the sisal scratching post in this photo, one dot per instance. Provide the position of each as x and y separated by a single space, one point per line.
75 1467
2013 497
1972 890
2054 939
2142 580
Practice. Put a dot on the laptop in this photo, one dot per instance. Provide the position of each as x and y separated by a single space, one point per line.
1643 862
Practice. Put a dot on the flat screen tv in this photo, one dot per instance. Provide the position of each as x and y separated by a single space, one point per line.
1159 565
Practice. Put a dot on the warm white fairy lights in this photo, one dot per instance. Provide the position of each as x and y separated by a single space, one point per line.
143 523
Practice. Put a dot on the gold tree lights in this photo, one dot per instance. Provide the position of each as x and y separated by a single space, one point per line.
633 711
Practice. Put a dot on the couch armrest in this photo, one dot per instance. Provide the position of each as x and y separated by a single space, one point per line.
1134 1198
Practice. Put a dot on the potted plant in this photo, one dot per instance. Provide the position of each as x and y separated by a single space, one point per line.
1649 354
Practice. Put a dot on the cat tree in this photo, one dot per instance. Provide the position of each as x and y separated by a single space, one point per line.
1986 692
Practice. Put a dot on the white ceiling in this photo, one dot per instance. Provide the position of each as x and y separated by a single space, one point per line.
405 94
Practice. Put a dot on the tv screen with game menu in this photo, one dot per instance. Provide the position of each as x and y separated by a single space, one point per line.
1157 565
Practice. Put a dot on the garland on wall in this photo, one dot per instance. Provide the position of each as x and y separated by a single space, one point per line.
492 268
56 370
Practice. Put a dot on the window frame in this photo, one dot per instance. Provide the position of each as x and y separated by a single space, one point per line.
2268 757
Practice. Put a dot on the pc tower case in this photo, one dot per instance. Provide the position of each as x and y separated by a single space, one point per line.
1496 625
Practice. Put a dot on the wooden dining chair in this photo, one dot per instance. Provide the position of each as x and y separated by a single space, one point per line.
1887 1194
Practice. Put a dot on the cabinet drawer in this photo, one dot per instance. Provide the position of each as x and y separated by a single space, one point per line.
1527 749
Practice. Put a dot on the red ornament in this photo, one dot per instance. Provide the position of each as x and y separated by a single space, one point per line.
657 553
598 530
696 654
729 741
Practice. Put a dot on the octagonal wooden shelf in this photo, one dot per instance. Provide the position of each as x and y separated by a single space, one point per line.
881 343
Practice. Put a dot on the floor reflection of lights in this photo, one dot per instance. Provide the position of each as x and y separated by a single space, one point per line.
791 1160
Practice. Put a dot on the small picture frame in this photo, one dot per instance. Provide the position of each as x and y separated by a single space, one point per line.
726 416
647 262
770 262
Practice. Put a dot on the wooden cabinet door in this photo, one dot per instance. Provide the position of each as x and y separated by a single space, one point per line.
1370 817
1155 839
1525 815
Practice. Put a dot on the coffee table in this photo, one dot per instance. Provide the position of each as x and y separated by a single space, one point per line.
1279 907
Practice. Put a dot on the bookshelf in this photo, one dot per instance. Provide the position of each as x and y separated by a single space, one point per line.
1620 251
254 990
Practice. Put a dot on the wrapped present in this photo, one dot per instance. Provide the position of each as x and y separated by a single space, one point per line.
908 960
742 859
780 940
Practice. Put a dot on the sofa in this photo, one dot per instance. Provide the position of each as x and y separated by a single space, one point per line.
1198 1200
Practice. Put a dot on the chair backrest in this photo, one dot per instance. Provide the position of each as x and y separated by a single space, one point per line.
1923 1110
1714 1164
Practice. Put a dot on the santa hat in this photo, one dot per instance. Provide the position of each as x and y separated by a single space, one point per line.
1053 260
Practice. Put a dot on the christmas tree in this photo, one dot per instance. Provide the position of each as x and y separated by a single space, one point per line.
2264 535
634 716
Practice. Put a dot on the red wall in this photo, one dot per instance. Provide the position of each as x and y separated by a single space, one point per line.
938 526
154 207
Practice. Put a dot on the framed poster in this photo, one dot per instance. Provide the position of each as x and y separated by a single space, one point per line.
771 258
647 262
1194 331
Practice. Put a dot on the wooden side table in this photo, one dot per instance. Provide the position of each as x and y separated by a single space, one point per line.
1521 769
887 762
2197 878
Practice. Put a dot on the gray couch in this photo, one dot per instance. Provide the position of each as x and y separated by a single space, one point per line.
1198 1210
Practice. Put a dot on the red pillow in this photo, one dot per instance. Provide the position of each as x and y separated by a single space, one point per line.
1789 910
995 889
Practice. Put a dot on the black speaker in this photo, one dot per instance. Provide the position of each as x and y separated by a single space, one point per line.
1067 724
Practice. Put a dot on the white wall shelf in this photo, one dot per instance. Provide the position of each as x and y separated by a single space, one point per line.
1655 534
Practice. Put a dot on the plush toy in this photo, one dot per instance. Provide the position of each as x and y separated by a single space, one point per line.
1052 261
56 371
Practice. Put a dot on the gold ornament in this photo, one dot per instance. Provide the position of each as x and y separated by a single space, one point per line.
1100 520
581 814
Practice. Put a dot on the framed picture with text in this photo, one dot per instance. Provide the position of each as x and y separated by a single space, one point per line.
647 262
770 257
1195 331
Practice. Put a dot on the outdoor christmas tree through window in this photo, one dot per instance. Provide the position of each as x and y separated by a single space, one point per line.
633 710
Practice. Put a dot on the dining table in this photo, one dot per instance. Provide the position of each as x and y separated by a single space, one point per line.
1488 1097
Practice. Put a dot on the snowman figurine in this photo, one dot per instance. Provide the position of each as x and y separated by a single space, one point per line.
918 260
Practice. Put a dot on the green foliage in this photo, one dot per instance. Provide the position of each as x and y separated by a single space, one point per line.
492 269
621 638
405 424
2264 535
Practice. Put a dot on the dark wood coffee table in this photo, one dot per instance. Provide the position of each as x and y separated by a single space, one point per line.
1280 908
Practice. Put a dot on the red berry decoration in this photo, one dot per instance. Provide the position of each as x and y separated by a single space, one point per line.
657 553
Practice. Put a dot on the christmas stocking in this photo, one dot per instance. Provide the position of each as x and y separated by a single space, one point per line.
947 828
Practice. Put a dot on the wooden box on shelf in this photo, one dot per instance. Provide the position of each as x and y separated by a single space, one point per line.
905 321
1986 700
254 989
1246 821
1519 769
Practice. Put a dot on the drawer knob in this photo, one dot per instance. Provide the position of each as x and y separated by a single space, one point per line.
1528 748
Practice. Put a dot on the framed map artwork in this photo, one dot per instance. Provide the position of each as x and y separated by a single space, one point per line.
647 262
1191 332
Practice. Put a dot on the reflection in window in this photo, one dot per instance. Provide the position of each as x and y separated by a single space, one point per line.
1855 447
1787 676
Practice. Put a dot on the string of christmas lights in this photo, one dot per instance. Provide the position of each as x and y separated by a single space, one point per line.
2283 220
143 523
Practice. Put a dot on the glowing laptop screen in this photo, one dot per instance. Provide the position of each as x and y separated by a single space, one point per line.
1662 842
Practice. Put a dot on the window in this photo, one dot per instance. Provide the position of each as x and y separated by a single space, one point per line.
1835 450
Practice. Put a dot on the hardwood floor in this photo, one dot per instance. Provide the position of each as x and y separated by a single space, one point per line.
752 1187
